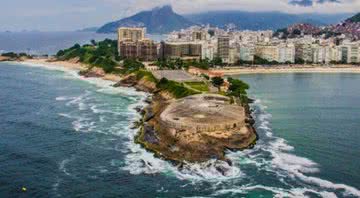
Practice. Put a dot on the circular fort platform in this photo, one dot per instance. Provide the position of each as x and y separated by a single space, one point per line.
204 113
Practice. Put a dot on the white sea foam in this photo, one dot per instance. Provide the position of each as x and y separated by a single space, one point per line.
62 166
295 166
71 72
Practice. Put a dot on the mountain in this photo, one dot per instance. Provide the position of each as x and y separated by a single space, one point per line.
263 20
158 20
354 19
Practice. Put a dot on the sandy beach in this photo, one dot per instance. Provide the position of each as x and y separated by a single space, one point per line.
226 71
290 69
3 58
69 65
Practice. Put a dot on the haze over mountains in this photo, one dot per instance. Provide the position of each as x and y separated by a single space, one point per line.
163 20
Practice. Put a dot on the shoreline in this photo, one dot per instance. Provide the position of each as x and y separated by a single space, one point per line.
288 69
68 65
236 70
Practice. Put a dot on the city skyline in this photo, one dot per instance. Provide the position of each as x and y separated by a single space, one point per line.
67 15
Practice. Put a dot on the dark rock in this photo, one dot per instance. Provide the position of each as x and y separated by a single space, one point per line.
150 134
149 114
138 109
128 81
142 112
250 100
222 170
148 100
250 121
90 74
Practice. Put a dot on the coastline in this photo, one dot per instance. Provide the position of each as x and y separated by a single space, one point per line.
68 65
289 69
236 70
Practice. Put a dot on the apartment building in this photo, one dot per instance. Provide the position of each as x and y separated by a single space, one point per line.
223 49
172 50
133 44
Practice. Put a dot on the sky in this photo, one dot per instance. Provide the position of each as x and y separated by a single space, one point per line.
65 15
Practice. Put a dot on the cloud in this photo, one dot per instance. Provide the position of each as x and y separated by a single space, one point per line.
289 6
74 14
311 2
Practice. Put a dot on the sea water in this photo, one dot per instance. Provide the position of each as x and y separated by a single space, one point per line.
65 136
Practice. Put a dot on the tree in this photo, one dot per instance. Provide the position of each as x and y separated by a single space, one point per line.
93 42
297 32
132 65
238 88
217 61
299 61
217 82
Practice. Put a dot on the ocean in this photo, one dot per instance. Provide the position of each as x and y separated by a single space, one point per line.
41 43
65 136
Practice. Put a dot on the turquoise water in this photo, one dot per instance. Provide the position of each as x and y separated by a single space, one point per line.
63 136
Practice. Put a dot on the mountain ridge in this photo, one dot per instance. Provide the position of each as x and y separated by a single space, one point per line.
158 20
164 20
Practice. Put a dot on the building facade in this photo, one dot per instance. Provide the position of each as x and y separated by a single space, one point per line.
133 44
180 50
131 34
223 49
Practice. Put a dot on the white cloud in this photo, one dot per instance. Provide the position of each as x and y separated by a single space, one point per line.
193 6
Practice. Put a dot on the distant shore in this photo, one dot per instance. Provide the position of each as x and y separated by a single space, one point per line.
289 69
69 65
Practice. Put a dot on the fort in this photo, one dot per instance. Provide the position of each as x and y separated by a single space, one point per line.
196 128
204 113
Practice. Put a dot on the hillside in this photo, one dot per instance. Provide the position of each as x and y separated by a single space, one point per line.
263 20
157 20
354 19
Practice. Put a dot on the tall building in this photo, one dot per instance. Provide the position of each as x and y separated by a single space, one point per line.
354 54
233 55
247 53
133 44
303 51
286 53
145 50
281 53
267 52
131 34
208 50
223 50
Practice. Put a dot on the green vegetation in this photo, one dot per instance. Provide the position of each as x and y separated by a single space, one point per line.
327 34
262 61
354 19
217 82
132 65
200 86
185 64
171 64
238 88
282 32
101 54
15 55
143 74
178 90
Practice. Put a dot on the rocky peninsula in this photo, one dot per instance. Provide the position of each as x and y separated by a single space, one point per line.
195 128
